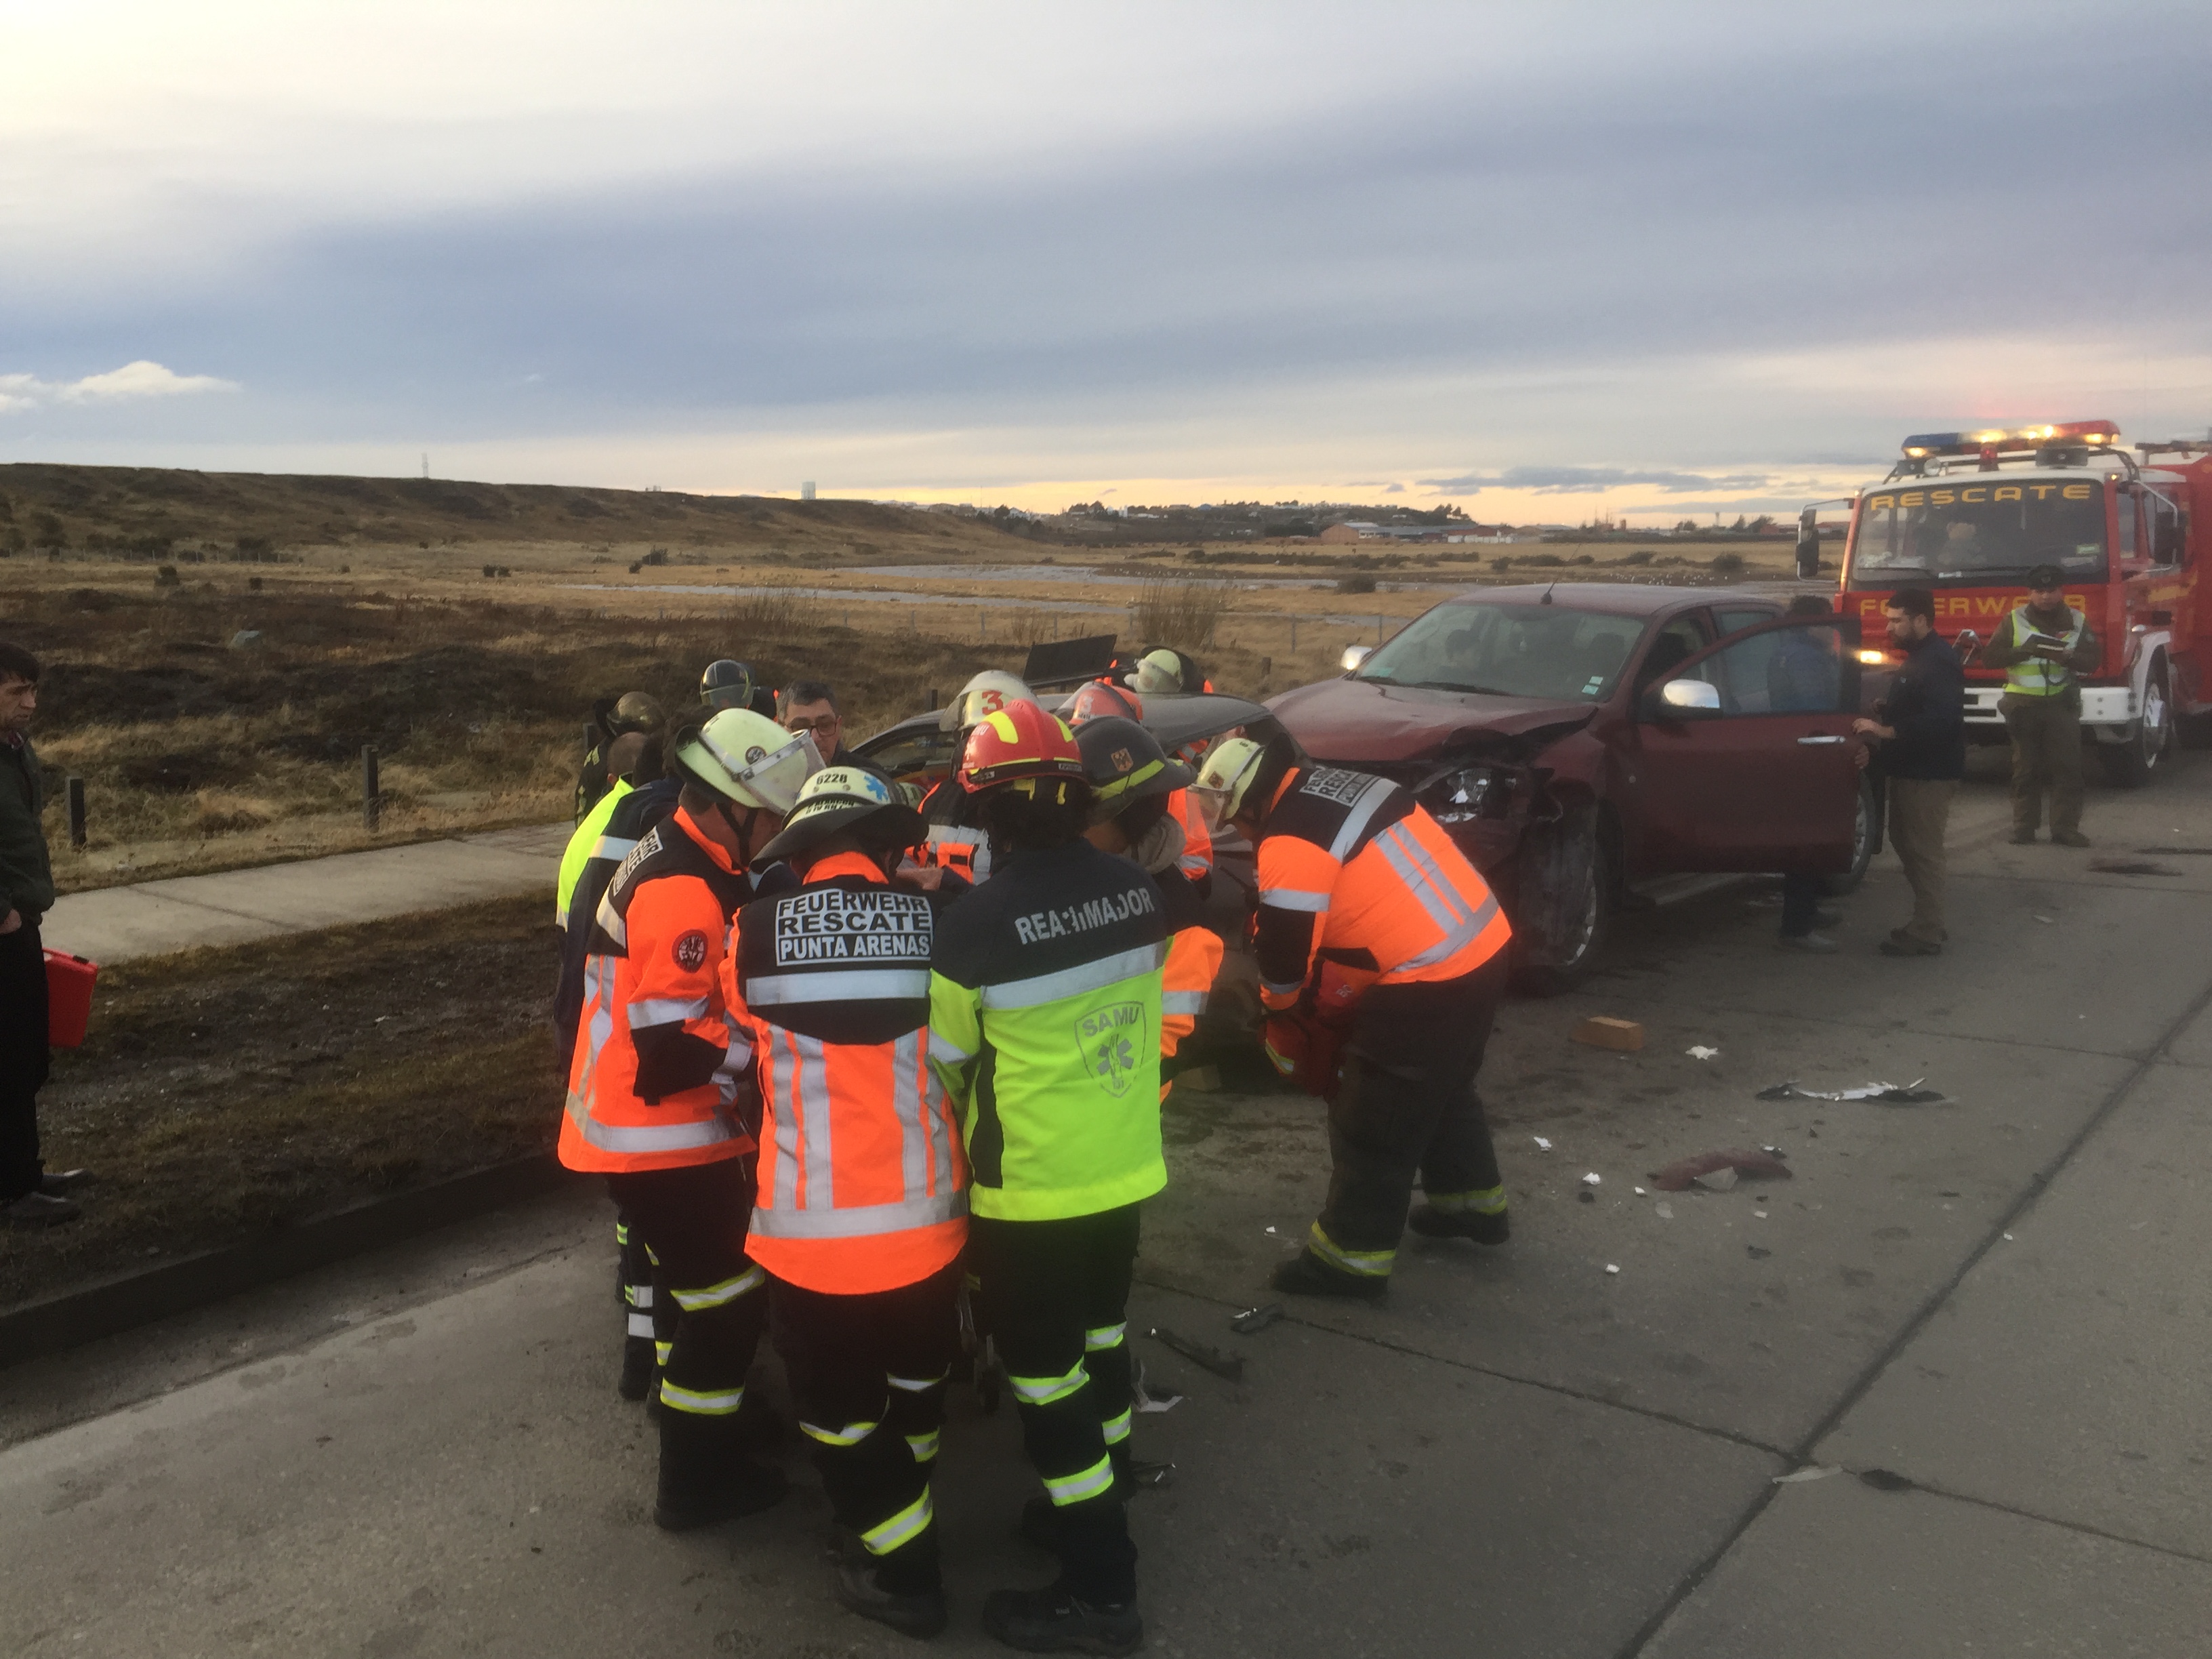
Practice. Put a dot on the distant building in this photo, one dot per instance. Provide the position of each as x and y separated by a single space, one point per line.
1339 533
806 490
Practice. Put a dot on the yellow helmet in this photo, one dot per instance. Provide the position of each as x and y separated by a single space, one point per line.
1225 778
748 758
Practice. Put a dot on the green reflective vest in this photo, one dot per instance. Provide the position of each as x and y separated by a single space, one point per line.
2034 676
578 853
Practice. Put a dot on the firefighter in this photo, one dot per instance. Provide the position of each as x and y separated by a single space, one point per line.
2044 646
633 711
1373 928
955 842
652 1093
1134 787
633 759
1045 1028
1098 700
862 1206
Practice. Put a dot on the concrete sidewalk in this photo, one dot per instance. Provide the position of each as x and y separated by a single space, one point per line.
120 924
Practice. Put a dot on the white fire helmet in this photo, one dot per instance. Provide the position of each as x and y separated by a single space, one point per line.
987 694
1224 779
750 759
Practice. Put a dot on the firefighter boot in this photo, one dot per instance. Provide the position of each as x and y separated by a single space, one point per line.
918 1612
1308 1275
1483 1227
1053 1620
704 1476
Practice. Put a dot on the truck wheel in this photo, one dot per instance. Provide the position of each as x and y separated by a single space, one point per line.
2129 764
1564 906
1866 830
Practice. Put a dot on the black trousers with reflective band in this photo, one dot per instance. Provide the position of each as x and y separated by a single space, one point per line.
1055 1299
693 1219
867 1378
23 1058
1408 1106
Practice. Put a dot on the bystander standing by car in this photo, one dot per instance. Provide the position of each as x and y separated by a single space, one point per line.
1804 682
1922 729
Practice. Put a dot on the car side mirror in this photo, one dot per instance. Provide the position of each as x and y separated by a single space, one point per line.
1676 698
1354 656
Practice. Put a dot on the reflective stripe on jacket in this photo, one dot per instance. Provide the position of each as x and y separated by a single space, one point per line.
2039 677
1195 953
863 1186
651 1080
1351 867
1045 1028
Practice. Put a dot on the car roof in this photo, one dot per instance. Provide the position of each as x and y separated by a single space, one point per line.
1620 598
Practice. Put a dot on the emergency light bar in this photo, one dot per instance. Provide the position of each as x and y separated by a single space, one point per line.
1923 445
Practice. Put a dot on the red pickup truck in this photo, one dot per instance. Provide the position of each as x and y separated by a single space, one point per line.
1577 740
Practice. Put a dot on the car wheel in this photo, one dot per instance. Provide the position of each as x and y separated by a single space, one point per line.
1865 831
1563 912
2130 765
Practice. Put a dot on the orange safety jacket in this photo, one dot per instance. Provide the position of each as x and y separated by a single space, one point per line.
863 1181
653 1081
1194 952
1353 871
1196 861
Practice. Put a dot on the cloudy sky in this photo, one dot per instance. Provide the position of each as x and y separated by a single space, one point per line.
1543 260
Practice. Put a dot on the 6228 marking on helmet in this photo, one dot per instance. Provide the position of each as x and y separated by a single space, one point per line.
1109 1038
689 950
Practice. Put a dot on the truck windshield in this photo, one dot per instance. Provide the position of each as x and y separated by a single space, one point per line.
1545 651
1967 534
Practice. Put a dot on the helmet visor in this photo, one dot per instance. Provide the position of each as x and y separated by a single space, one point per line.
774 779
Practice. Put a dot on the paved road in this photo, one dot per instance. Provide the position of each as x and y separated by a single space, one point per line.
236 907
2002 1299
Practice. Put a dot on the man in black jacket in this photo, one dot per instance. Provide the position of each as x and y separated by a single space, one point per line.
1923 730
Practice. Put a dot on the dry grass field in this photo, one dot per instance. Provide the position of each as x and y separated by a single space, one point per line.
464 631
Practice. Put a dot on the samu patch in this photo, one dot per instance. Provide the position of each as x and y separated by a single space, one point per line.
1110 1039
689 950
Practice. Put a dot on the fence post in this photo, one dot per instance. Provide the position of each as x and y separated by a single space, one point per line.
1294 637
932 700
1378 630
372 804
75 788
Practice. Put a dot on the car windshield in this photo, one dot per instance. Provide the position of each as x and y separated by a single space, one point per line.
1970 533
1551 651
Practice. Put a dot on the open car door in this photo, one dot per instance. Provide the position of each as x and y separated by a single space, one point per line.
1744 757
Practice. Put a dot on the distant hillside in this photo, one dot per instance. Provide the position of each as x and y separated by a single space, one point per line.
151 511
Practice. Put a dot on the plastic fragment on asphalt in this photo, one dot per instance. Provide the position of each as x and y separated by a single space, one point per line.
1639 1192
1611 1267
1256 1319
1810 1471
1603 1032
1896 1094
1699 1051
1721 1179
1885 1481
1271 1230
1542 1144
2045 920
1665 1212
1677 1176
1592 1179
1147 1401
2008 1238
1227 1366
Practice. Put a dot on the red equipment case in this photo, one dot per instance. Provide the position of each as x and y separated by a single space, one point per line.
69 998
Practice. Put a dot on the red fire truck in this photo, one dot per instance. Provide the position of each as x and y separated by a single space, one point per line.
1968 514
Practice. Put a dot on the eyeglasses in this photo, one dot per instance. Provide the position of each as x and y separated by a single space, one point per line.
820 723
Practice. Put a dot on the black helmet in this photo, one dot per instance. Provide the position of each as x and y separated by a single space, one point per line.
636 711
727 684
1125 764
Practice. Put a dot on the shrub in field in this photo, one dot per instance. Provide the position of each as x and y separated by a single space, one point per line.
766 613
1727 564
1641 555
1179 613
1357 582
166 577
